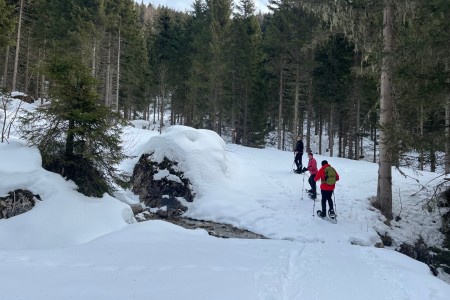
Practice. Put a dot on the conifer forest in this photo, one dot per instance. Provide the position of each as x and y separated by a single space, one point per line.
344 70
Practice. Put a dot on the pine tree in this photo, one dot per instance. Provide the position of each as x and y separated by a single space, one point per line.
245 61
6 24
6 31
77 137
198 80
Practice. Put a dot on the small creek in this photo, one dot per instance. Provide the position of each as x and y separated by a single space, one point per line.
215 229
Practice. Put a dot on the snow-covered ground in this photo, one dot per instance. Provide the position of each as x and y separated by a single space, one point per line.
75 247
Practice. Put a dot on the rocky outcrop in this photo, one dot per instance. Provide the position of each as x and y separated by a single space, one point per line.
161 186
419 251
17 202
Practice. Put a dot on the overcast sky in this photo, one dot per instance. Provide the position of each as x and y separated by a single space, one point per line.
183 5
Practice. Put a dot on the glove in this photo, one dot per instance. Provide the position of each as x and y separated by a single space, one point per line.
304 170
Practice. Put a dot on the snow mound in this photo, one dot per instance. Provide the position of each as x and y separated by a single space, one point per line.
200 153
64 217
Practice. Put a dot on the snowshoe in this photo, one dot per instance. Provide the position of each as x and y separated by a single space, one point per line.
332 216
311 195
319 214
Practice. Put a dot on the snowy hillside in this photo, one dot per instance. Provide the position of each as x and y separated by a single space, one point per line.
74 247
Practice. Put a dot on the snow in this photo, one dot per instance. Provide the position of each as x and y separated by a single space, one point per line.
74 247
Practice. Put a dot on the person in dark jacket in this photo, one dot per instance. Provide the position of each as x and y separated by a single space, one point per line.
298 152
326 189
312 169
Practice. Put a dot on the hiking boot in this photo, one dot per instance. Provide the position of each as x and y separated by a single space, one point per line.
331 213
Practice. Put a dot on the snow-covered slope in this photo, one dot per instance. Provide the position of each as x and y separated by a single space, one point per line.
74 247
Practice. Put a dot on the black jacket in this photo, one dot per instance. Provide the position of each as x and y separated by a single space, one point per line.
299 147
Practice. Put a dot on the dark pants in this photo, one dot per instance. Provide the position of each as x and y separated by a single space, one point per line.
326 196
298 160
312 183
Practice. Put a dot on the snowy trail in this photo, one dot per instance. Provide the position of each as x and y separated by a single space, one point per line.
269 194
74 247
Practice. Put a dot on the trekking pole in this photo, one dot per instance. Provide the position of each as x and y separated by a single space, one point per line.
292 167
335 207
303 187
314 207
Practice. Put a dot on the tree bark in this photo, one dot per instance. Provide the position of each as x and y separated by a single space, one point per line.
320 132
330 131
358 125
384 190
5 69
16 59
116 104
447 135
374 145
309 118
162 85
280 110
108 88
421 151
70 138
296 101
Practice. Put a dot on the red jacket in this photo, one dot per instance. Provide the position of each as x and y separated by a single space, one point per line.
312 166
321 175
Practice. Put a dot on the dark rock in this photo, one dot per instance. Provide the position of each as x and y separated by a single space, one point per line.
17 202
386 239
423 251
165 192
379 245
137 208
408 250
419 251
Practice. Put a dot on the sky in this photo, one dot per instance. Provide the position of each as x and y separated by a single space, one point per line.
74 247
182 5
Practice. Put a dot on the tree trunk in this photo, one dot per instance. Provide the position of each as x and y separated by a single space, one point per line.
320 132
108 88
280 109
296 101
330 131
162 82
116 104
244 125
16 59
358 125
70 139
421 152
309 118
447 132
374 145
94 58
27 65
432 160
43 91
384 190
5 69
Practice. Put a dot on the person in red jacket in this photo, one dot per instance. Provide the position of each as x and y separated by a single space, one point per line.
326 189
312 168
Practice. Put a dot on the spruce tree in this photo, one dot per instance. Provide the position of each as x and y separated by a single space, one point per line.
77 137
6 24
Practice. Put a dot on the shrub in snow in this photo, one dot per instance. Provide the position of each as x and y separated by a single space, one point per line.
16 203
